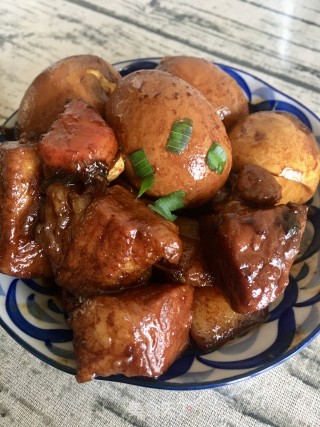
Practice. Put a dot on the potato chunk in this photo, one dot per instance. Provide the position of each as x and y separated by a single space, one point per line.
139 332
214 322
20 174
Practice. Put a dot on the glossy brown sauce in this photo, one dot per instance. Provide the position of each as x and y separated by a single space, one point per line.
105 248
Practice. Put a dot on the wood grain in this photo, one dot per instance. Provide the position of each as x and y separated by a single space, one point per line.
279 46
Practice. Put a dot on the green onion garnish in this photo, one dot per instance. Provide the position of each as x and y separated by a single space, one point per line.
146 184
216 158
166 204
180 136
143 170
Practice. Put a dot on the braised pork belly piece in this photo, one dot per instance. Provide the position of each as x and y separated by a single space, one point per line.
80 141
214 322
191 268
101 241
20 199
252 185
139 332
250 251
257 186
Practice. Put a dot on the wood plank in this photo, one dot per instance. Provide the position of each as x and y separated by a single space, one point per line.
224 36
131 29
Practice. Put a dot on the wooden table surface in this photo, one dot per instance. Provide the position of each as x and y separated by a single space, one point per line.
278 41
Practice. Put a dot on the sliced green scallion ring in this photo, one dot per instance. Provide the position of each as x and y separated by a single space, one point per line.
180 136
167 204
146 184
143 170
216 158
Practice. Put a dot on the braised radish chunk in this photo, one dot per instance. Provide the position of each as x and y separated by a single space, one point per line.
139 332
102 241
79 141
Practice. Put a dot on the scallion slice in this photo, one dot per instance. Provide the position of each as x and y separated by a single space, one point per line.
216 158
146 184
180 136
143 170
167 204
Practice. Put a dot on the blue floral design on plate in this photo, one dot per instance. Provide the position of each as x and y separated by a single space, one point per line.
31 313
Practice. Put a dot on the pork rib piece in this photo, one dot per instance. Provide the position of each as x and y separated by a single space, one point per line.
20 174
250 251
79 141
139 332
100 241
191 268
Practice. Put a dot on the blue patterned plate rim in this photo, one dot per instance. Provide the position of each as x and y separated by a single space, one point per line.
153 383
172 385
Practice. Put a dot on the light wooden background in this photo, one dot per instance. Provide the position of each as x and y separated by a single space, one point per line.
276 40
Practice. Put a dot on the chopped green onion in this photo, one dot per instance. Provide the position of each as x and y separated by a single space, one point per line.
146 184
166 204
180 136
275 105
140 164
143 170
216 158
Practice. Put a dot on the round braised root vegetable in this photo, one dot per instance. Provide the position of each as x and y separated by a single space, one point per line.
282 144
86 77
170 135
221 90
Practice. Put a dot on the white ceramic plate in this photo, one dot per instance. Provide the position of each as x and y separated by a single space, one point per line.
31 313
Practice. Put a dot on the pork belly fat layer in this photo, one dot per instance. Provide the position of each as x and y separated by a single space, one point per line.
107 240
250 251
20 174
140 332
